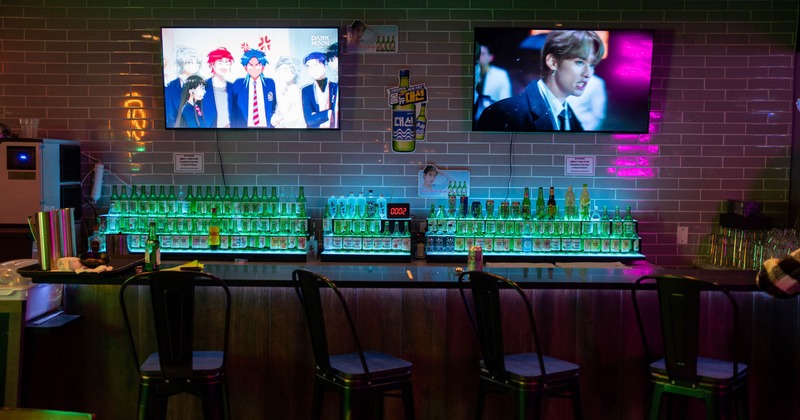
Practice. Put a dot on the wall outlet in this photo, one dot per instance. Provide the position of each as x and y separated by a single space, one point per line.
683 235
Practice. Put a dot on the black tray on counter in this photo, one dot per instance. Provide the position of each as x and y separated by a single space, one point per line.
121 264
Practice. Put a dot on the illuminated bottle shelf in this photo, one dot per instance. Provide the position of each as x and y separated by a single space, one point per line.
254 237
359 239
449 239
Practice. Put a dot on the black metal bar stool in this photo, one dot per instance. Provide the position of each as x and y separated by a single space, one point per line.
527 376
361 378
176 367
682 372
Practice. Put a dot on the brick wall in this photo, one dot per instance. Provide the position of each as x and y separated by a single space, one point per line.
721 104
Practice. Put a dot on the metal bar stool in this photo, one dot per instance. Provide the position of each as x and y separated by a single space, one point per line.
527 376
176 367
361 378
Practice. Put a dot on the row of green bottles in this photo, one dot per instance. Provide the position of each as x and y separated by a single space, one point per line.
228 202
600 224
397 239
444 243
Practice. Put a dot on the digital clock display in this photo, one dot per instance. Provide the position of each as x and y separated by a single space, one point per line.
398 210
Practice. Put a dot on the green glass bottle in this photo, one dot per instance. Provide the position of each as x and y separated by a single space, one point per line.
540 208
124 201
213 230
273 203
161 201
526 204
172 202
214 201
152 250
191 202
113 202
301 204
152 201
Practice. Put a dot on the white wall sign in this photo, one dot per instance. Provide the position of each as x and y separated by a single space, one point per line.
579 165
188 162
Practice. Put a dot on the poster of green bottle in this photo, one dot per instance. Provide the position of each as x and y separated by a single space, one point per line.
408 127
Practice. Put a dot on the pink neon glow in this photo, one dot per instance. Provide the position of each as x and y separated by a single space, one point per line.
629 149
632 172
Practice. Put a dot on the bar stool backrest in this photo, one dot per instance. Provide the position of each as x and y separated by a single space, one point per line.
307 284
679 309
172 295
487 319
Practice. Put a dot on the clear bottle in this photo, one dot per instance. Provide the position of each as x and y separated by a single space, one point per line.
152 250
403 120
585 202
381 202
213 230
351 206
595 229
361 205
371 210
341 207
332 207
97 241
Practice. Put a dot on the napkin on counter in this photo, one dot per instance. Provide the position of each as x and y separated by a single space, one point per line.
74 264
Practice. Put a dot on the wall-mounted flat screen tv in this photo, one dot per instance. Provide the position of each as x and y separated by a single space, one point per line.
251 78
543 80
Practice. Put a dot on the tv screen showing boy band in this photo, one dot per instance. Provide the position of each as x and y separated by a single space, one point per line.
251 78
532 80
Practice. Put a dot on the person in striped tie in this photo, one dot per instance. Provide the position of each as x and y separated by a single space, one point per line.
253 99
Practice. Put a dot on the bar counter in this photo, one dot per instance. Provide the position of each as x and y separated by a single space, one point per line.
414 311
418 274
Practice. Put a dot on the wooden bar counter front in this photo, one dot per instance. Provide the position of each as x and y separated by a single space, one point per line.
413 311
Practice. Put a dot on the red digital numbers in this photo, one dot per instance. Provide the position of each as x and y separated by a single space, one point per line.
397 211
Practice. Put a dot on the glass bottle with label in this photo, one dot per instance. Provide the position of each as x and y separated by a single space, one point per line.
152 250
403 119
552 208
213 230
422 123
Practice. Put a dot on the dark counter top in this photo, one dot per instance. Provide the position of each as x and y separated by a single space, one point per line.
419 274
